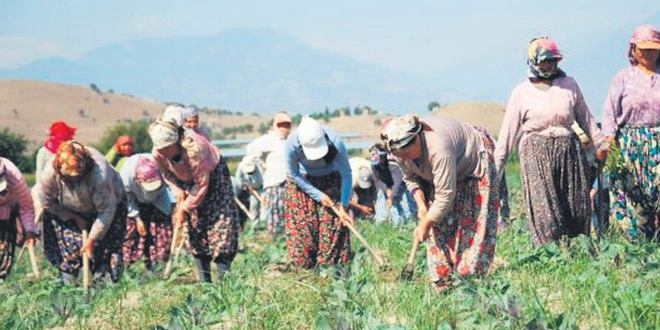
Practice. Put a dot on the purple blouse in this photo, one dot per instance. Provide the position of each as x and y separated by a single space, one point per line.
632 100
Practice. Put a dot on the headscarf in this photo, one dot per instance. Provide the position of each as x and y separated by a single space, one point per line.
164 133
400 131
173 112
378 154
58 132
72 159
539 50
281 117
121 140
642 35
189 112
147 175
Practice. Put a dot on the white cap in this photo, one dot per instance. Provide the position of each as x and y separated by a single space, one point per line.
312 138
364 178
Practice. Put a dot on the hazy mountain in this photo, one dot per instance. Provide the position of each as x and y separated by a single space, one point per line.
246 70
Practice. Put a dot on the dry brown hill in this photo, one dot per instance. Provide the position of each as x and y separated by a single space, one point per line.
28 107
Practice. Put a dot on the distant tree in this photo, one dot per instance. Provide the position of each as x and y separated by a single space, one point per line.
346 111
295 120
336 113
136 129
357 111
433 105
13 147
81 113
95 88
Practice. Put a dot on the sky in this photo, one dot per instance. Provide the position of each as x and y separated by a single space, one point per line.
408 36
412 36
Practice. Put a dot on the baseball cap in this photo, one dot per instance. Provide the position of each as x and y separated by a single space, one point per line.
312 138
364 178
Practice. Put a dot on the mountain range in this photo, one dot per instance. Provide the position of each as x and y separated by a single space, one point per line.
262 71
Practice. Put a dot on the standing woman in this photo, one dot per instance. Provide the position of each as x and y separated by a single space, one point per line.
122 149
319 175
272 145
148 223
81 191
538 120
199 179
15 203
631 119
450 171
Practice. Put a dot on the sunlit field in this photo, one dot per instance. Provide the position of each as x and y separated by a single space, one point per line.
581 284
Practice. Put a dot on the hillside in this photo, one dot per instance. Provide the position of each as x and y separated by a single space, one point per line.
28 107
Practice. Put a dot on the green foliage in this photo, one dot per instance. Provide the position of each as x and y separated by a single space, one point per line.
136 129
614 163
576 284
13 147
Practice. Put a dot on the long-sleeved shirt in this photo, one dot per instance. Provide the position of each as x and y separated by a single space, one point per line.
550 112
275 163
17 193
633 99
198 159
44 158
297 164
451 152
161 198
95 193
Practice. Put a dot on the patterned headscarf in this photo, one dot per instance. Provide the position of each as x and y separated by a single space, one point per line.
539 50
189 112
72 159
400 131
173 112
146 170
164 133
57 132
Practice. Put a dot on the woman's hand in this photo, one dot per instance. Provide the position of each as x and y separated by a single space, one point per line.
139 225
327 201
421 232
88 247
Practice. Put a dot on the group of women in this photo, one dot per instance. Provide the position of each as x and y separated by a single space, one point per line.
452 170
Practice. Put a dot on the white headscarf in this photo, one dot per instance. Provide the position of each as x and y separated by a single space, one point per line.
164 133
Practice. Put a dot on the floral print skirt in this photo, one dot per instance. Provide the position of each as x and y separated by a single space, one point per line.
273 210
465 239
555 187
8 239
313 235
635 190
155 245
63 242
214 233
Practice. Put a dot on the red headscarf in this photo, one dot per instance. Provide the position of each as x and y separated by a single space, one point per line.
58 132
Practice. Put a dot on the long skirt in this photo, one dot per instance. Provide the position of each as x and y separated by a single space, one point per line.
635 190
8 241
214 234
465 239
313 235
155 245
273 210
63 242
555 187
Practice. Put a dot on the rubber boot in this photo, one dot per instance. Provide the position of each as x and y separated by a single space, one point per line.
203 267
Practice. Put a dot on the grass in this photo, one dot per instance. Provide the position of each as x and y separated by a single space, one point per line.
581 284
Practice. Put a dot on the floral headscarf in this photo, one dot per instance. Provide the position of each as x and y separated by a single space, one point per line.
72 159
399 131
539 50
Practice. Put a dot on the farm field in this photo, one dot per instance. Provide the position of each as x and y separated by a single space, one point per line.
611 284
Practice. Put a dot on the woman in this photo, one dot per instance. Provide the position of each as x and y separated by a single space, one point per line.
450 171
15 203
81 191
389 180
199 179
631 119
319 177
122 149
148 223
538 121
272 145
58 132
190 117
